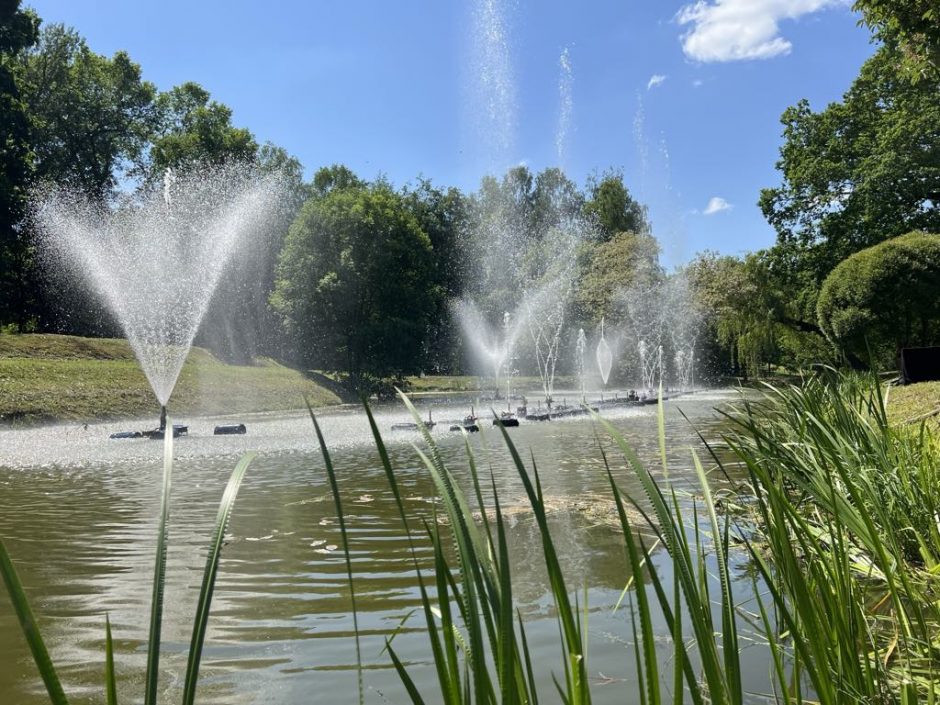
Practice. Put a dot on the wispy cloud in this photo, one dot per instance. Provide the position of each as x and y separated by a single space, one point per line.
736 30
717 204
655 80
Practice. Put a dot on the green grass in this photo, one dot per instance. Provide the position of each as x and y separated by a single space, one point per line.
46 378
846 507
913 402
469 383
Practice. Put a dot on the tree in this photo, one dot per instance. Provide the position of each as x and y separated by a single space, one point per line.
194 129
18 30
884 298
860 171
444 216
91 117
910 26
332 177
612 209
625 260
240 324
355 283
742 307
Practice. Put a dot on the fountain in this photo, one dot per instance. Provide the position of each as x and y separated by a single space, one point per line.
580 349
684 319
154 262
546 318
605 357
492 347
651 365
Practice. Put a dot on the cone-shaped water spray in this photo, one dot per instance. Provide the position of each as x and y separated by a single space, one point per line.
155 262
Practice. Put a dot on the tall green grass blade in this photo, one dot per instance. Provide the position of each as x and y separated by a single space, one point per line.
694 586
208 578
159 573
406 679
730 649
572 639
109 680
31 629
661 427
446 675
341 517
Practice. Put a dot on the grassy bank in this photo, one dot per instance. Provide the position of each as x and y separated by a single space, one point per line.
471 383
914 402
45 378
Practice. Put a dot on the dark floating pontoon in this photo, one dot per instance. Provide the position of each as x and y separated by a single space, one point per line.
230 429
469 428
411 426
158 434
127 434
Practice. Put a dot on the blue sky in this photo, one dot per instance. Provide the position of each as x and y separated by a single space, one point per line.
398 88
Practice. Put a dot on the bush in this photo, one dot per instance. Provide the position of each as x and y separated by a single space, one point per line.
884 298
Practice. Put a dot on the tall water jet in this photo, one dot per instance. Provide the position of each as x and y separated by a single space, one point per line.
684 320
545 318
155 262
605 357
566 106
580 349
491 100
651 365
491 346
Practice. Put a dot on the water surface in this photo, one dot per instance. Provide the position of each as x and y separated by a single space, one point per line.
78 515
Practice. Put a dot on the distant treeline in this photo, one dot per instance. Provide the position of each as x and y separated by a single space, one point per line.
357 277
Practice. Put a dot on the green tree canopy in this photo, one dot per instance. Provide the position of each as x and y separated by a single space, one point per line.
354 281
195 129
612 209
625 260
337 176
742 306
91 117
860 171
885 297
910 26
19 29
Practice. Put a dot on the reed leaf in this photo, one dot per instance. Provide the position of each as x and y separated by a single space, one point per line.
208 578
338 503
31 629
159 573
110 685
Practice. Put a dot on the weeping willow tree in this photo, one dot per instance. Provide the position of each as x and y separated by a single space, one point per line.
742 305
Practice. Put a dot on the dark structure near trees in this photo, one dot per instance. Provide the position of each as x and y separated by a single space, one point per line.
920 365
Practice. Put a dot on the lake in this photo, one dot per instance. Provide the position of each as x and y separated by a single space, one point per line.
78 513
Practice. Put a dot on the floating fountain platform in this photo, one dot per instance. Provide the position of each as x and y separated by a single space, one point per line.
469 428
231 429
158 434
127 434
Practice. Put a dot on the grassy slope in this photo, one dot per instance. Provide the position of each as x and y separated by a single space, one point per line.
55 377
913 401
469 383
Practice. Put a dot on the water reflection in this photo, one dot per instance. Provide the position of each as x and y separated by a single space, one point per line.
79 517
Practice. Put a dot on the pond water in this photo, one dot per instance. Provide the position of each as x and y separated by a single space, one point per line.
78 513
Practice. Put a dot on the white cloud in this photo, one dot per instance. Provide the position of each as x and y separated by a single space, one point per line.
655 80
717 204
735 30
